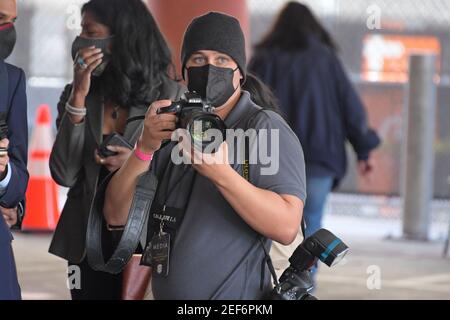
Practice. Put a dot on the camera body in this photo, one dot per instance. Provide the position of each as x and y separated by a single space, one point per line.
196 116
295 282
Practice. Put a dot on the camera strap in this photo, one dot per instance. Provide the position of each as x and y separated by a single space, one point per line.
267 260
165 220
163 215
246 174
138 216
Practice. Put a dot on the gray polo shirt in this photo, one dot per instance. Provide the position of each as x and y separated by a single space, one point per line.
216 254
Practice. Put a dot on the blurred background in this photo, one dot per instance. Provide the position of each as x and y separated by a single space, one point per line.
375 39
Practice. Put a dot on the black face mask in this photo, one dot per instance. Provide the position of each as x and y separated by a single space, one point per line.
213 83
7 40
100 43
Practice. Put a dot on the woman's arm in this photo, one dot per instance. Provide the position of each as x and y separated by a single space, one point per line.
354 115
67 151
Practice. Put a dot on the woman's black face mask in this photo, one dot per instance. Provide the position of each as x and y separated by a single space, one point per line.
213 83
101 43
7 40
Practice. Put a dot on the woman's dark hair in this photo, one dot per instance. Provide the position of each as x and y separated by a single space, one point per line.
260 93
140 55
293 26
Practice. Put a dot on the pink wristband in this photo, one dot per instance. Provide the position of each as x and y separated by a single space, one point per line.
141 155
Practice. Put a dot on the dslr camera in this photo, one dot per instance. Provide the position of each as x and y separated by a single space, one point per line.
197 116
295 282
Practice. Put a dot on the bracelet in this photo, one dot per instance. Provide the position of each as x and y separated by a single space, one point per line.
142 155
81 112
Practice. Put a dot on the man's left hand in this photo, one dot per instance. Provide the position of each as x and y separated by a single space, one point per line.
214 166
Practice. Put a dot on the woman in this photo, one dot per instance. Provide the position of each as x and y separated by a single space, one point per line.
121 67
298 60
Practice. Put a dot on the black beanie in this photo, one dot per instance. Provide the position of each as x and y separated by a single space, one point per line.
215 31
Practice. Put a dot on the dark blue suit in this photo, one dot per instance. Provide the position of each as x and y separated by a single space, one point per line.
13 101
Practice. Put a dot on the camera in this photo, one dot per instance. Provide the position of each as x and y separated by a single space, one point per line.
197 116
295 282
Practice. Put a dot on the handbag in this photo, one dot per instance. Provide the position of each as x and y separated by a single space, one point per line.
135 279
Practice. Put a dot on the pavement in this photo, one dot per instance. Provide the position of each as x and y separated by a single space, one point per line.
379 265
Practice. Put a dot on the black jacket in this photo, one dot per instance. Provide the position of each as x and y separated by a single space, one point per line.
319 102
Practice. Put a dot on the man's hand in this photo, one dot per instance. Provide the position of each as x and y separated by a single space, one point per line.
114 163
214 166
365 169
4 160
157 127
10 215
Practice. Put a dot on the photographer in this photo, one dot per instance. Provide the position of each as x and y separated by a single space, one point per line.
219 215
13 149
121 65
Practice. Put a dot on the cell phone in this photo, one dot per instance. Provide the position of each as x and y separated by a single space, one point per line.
3 152
113 139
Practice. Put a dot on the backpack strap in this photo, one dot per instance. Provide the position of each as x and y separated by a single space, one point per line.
246 174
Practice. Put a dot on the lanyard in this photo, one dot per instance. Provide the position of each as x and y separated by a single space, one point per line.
163 217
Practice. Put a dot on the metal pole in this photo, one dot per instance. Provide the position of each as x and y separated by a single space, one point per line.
419 157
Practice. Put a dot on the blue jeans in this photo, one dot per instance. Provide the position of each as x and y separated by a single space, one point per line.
317 190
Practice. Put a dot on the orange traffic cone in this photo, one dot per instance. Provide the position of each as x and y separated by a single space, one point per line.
42 194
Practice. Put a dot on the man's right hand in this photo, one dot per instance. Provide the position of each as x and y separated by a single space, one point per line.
92 58
157 127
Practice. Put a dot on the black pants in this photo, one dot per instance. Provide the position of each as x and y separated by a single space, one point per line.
97 285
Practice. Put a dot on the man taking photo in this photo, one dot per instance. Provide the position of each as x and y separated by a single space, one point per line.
218 215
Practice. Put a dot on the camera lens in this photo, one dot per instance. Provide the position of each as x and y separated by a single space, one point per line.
207 131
